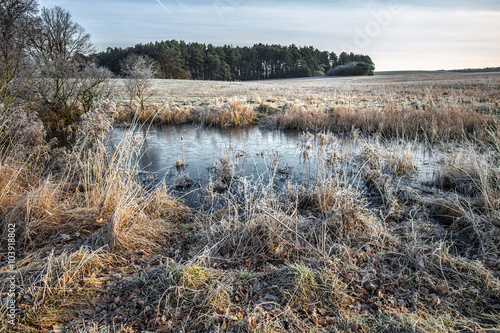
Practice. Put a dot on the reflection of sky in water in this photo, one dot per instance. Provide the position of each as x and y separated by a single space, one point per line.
251 149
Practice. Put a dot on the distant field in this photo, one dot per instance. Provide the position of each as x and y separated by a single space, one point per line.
432 103
320 87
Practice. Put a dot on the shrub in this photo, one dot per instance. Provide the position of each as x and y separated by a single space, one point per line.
352 69
140 70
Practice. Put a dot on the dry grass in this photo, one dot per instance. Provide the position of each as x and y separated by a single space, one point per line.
96 328
90 198
174 114
473 174
155 113
432 107
300 116
392 121
49 289
400 162
473 210
357 247
233 112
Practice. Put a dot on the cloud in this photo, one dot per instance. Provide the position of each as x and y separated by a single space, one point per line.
419 34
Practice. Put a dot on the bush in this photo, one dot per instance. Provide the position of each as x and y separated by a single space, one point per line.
352 69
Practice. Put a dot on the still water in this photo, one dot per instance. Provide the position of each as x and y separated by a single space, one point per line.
252 152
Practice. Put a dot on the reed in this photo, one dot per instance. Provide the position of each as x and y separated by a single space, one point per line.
297 115
233 112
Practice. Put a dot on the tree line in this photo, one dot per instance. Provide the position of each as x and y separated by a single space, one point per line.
180 60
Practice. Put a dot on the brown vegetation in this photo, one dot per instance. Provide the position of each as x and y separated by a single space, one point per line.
356 249
431 123
234 112
449 106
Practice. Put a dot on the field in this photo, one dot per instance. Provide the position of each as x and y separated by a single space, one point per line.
358 249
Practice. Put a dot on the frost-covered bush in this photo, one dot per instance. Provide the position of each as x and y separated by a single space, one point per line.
139 71
97 122
22 132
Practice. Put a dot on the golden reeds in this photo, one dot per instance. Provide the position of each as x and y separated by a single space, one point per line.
233 112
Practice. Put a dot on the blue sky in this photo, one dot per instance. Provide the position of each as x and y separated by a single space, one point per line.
398 35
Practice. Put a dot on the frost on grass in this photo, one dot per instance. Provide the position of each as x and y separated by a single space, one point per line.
233 112
22 132
354 249
98 122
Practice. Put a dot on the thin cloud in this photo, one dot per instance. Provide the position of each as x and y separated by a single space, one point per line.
420 34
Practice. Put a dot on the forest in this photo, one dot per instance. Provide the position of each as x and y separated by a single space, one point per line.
180 60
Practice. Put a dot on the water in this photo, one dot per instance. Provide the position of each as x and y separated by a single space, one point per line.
251 152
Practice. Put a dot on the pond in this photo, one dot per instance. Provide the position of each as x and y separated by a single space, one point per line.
188 157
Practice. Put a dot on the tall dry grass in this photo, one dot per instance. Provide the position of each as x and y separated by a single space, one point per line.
76 212
94 187
392 121
57 284
253 221
297 115
472 175
233 112
158 114
332 253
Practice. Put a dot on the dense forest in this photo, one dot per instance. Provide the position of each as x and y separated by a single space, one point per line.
477 70
180 60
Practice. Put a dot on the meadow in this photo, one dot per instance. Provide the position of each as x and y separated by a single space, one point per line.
360 248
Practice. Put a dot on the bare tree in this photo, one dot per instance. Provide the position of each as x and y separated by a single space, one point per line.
139 71
94 85
59 38
68 80
16 20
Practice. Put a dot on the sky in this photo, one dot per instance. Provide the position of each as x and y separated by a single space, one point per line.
397 35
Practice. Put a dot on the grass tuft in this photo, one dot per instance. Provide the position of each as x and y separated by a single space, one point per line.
233 112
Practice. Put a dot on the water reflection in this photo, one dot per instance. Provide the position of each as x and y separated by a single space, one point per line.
186 156
201 146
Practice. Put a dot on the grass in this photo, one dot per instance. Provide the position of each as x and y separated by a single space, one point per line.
401 164
358 247
297 115
234 112
447 106
91 206
157 113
